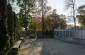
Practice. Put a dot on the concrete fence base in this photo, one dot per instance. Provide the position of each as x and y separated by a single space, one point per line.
73 40
73 35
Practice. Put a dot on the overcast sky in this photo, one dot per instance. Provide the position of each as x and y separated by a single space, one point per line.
60 5
56 4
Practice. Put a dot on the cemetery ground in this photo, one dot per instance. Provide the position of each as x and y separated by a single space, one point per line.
49 46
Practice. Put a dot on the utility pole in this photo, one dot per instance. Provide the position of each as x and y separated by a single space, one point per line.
71 3
43 28
74 13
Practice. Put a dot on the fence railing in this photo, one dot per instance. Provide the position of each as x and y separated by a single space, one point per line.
72 35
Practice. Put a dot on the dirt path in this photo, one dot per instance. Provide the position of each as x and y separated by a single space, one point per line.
50 47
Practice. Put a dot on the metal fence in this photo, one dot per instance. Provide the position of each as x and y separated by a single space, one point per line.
71 35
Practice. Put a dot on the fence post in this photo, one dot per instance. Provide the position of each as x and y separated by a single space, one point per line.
81 34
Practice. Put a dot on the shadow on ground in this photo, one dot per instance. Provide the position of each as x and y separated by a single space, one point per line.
49 46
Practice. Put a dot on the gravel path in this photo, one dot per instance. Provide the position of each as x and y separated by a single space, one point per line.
50 47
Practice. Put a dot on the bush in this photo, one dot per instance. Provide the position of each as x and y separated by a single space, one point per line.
49 33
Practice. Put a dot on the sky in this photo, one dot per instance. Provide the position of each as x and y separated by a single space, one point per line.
60 5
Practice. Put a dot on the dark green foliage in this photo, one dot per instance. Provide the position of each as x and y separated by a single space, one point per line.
10 24
32 27
27 7
82 20
8 27
81 15
3 30
49 33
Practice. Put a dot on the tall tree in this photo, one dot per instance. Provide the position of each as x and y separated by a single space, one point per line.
26 7
57 21
41 11
7 27
81 15
3 30
71 4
